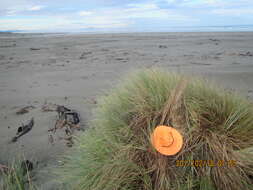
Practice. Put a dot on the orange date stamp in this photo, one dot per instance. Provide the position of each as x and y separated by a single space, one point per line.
206 163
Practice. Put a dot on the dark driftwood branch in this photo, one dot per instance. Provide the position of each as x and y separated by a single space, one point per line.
22 130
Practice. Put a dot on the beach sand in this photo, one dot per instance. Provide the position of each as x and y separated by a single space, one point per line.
74 69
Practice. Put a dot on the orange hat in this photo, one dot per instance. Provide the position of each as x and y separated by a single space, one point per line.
166 140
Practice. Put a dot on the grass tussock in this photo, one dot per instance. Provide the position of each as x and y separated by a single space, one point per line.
116 152
16 177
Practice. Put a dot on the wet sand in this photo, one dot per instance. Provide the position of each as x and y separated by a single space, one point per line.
74 69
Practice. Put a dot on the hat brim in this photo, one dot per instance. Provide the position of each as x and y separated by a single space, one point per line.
174 147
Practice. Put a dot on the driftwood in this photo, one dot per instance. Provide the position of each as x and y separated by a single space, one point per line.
68 119
246 54
163 46
34 49
24 110
49 107
22 130
61 110
64 113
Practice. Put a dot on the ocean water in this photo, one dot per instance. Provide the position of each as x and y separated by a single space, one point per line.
227 28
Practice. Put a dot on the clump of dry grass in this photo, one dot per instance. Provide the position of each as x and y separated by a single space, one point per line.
116 152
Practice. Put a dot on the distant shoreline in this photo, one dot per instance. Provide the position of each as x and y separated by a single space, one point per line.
48 34
173 29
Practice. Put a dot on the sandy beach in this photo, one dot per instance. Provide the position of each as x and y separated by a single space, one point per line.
75 69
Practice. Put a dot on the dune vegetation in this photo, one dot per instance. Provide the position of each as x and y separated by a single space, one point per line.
116 152
16 176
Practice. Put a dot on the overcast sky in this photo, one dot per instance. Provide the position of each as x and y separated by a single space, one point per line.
121 15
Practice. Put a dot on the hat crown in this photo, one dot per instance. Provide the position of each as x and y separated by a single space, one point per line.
166 140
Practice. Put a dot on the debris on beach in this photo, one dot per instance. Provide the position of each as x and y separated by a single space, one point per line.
67 119
61 110
49 107
51 139
163 46
23 129
246 54
67 116
84 54
214 40
24 110
33 49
